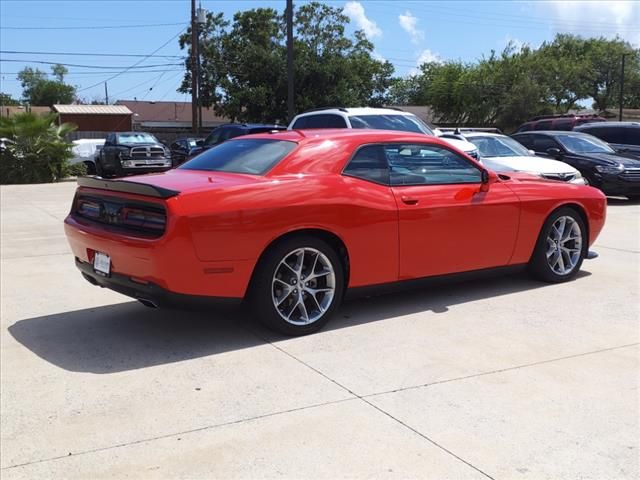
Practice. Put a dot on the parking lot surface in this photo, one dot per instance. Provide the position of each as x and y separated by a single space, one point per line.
494 378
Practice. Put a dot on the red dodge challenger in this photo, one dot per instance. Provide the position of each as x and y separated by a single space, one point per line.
290 220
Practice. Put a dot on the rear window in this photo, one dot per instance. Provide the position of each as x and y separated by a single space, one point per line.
323 120
403 123
252 156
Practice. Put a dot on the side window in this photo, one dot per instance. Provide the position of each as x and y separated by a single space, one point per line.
369 163
110 140
415 164
214 137
542 143
525 140
175 146
525 127
563 124
543 125
320 121
630 135
231 133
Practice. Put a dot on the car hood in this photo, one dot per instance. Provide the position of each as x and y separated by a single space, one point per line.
612 159
526 164
189 181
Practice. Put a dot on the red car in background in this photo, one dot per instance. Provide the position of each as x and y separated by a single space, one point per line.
290 220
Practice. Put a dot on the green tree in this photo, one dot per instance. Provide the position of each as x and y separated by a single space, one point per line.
243 70
37 89
7 100
37 150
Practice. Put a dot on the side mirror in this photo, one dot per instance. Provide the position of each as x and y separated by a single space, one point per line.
488 177
554 152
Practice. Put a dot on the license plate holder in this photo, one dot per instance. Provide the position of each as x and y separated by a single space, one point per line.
102 264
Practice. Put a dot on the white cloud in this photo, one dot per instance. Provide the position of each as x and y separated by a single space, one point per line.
426 56
587 18
409 24
355 11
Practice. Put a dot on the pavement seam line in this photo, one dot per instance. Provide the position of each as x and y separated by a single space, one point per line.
617 249
174 434
364 400
492 372
420 434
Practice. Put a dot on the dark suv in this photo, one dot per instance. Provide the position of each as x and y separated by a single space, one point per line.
558 122
126 153
600 165
232 130
624 137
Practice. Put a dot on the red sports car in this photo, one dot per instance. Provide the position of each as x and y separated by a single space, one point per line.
290 220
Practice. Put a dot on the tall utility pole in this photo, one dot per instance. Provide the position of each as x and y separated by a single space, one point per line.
201 19
194 68
290 78
106 94
621 87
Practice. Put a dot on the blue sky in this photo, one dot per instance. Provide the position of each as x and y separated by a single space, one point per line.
404 32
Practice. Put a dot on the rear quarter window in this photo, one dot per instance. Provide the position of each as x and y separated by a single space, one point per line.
250 156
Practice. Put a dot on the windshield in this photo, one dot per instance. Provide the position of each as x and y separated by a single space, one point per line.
403 123
499 147
583 144
252 156
136 138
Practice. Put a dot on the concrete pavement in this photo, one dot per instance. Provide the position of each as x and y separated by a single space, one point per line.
501 378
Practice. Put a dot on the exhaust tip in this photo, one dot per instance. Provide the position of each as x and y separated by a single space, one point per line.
148 303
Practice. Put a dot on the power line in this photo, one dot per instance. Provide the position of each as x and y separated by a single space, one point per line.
17 52
133 71
135 64
88 66
96 27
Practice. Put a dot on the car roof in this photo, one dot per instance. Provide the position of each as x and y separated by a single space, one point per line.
252 125
482 134
553 133
361 135
607 124
357 111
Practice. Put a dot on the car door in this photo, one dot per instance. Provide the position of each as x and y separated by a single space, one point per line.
447 224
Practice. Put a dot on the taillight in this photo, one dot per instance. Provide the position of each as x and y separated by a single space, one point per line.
88 209
134 217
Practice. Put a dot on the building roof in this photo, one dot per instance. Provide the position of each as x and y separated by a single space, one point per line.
93 109
168 112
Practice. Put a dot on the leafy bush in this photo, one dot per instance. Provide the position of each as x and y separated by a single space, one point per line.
77 170
36 150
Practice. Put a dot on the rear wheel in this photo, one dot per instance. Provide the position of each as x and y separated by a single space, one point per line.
561 247
298 285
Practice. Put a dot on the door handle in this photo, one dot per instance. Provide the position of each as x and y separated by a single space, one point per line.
409 200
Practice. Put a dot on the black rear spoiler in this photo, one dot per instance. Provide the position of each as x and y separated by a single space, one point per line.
126 186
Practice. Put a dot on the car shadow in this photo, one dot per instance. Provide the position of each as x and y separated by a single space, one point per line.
622 201
129 336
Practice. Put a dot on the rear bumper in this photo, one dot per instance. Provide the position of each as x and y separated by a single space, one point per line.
148 292
168 263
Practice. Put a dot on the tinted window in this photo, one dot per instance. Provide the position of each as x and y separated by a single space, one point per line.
543 125
542 143
563 124
525 140
525 128
323 120
369 163
253 156
403 123
415 164
214 137
621 135
230 132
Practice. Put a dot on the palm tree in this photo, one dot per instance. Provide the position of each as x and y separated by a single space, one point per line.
37 151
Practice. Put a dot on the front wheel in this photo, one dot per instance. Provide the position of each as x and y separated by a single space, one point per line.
298 285
561 247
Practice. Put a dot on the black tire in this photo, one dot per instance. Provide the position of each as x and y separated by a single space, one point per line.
539 265
99 169
262 289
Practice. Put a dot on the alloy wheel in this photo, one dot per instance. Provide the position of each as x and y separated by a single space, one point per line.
303 286
564 245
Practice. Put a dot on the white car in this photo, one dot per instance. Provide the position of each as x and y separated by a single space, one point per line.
504 154
85 150
376 119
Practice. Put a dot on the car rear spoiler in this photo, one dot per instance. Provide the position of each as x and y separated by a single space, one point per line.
126 186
